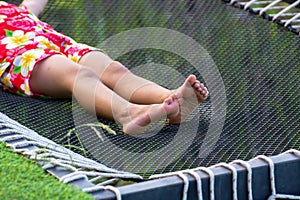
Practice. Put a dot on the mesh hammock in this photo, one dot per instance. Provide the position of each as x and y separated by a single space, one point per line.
250 66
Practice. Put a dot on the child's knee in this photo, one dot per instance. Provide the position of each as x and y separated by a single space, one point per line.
86 73
116 68
96 59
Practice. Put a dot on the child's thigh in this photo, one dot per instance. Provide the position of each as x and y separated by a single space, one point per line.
54 76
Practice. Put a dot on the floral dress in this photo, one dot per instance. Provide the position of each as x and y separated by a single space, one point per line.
24 41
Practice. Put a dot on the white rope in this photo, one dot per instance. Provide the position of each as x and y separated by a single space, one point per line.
42 141
34 151
16 128
60 163
56 160
293 151
31 135
72 177
263 2
198 182
93 189
53 155
22 144
232 1
247 5
115 190
234 178
283 196
62 158
277 8
284 15
178 174
211 180
269 6
107 175
293 19
95 179
287 196
46 154
274 195
249 176
256 2
286 9
271 171
56 163
108 182
97 174
11 138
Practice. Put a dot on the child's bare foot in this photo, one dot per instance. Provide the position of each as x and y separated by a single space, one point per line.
192 93
136 118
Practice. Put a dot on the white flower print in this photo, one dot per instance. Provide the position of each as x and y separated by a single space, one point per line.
17 39
27 60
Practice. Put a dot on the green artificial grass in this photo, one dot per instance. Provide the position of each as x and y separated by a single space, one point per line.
22 178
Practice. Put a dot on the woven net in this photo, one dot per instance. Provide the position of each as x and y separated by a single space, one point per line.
258 62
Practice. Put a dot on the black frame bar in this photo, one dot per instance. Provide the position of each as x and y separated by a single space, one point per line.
287 181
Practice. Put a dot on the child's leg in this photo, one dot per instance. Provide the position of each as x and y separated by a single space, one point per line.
142 91
118 78
131 87
57 76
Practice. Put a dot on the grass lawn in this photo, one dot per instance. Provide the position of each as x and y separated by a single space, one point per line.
22 178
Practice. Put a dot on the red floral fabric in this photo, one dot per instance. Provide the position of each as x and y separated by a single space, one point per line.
24 41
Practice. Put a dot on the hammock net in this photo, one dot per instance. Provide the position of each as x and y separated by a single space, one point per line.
250 66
